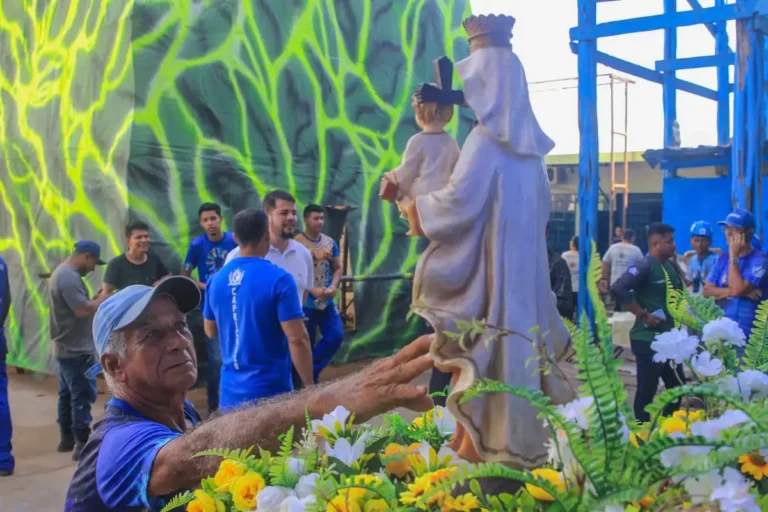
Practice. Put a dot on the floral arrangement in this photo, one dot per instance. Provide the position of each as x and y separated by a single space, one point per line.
705 448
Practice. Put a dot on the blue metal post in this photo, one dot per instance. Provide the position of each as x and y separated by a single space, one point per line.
670 91
739 182
723 83
589 170
755 122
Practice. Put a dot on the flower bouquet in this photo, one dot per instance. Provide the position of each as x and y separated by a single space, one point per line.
711 453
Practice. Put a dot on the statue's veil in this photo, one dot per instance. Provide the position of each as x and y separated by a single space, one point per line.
496 89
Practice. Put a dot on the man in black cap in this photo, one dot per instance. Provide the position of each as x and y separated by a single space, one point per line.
70 325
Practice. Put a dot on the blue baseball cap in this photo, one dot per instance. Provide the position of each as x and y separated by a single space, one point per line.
90 247
701 228
126 306
739 218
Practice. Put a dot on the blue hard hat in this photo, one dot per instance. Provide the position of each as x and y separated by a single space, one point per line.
127 305
739 218
701 228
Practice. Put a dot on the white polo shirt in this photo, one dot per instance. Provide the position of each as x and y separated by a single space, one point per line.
296 260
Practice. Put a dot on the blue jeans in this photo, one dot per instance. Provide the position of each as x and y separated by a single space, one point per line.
213 378
76 395
332 331
6 429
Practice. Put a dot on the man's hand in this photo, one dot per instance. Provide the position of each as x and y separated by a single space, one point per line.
736 243
602 286
385 385
330 292
755 294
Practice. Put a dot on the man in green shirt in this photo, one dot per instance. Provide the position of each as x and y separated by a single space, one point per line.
649 305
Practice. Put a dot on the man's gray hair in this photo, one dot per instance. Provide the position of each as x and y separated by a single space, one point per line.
116 344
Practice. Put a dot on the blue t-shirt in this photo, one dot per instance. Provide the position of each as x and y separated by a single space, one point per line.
115 465
208 257
248 300
753 270
699 269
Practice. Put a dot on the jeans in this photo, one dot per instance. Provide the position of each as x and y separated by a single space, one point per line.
76 395
648 375
6 429
328 321
213 379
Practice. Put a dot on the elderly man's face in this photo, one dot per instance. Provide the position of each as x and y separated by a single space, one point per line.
160 353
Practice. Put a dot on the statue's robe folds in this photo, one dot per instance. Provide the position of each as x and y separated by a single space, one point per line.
488 261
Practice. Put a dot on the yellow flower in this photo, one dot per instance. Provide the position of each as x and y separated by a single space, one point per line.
204 503
464 503
358 493
229 471
401 466
674 425
440 474
245 489
551 476
689 416
633 438
416 490
376 506
344 504
754 464
646 502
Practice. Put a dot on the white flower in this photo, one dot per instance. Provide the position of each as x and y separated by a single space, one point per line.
345 452
296 466
290 504
307 485
729 384
705 365
733 495
754 384
700 487
673 457
713 429
560 454
675 345
444 421
576 411
333 423
726 330
270 498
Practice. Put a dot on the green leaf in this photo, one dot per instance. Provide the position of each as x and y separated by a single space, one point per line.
341 468
178 501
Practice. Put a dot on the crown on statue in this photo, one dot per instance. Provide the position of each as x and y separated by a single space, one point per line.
489 31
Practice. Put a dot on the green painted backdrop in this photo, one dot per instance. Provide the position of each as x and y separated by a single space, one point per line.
119 109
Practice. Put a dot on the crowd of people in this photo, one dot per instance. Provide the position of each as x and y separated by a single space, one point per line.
265 282
636 283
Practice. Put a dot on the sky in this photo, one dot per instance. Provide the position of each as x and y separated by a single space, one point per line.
541 40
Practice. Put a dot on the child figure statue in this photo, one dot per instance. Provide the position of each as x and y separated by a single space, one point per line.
429 156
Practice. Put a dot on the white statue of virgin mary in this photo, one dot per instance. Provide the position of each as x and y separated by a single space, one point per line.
488 256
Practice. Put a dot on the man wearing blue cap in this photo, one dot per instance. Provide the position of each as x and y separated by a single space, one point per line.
703 260
6 430
738 280
142 451
70 326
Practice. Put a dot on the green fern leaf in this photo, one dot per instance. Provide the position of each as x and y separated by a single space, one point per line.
756 352
178 501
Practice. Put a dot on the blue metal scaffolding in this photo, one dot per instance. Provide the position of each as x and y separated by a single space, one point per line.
742 154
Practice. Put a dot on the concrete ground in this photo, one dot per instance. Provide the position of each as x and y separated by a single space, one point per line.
42 475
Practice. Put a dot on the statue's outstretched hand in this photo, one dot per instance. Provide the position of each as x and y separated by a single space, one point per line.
386 384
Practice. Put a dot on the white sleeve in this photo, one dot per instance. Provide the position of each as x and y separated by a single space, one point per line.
310 270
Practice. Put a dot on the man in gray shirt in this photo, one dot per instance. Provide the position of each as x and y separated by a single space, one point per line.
72 336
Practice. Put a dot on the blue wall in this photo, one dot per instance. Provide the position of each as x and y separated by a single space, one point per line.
687 200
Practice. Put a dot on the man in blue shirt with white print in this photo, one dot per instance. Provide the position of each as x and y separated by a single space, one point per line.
142 452
738 280
253 308
6 429
207 253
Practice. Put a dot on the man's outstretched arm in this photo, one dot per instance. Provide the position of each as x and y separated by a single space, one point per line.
381 387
